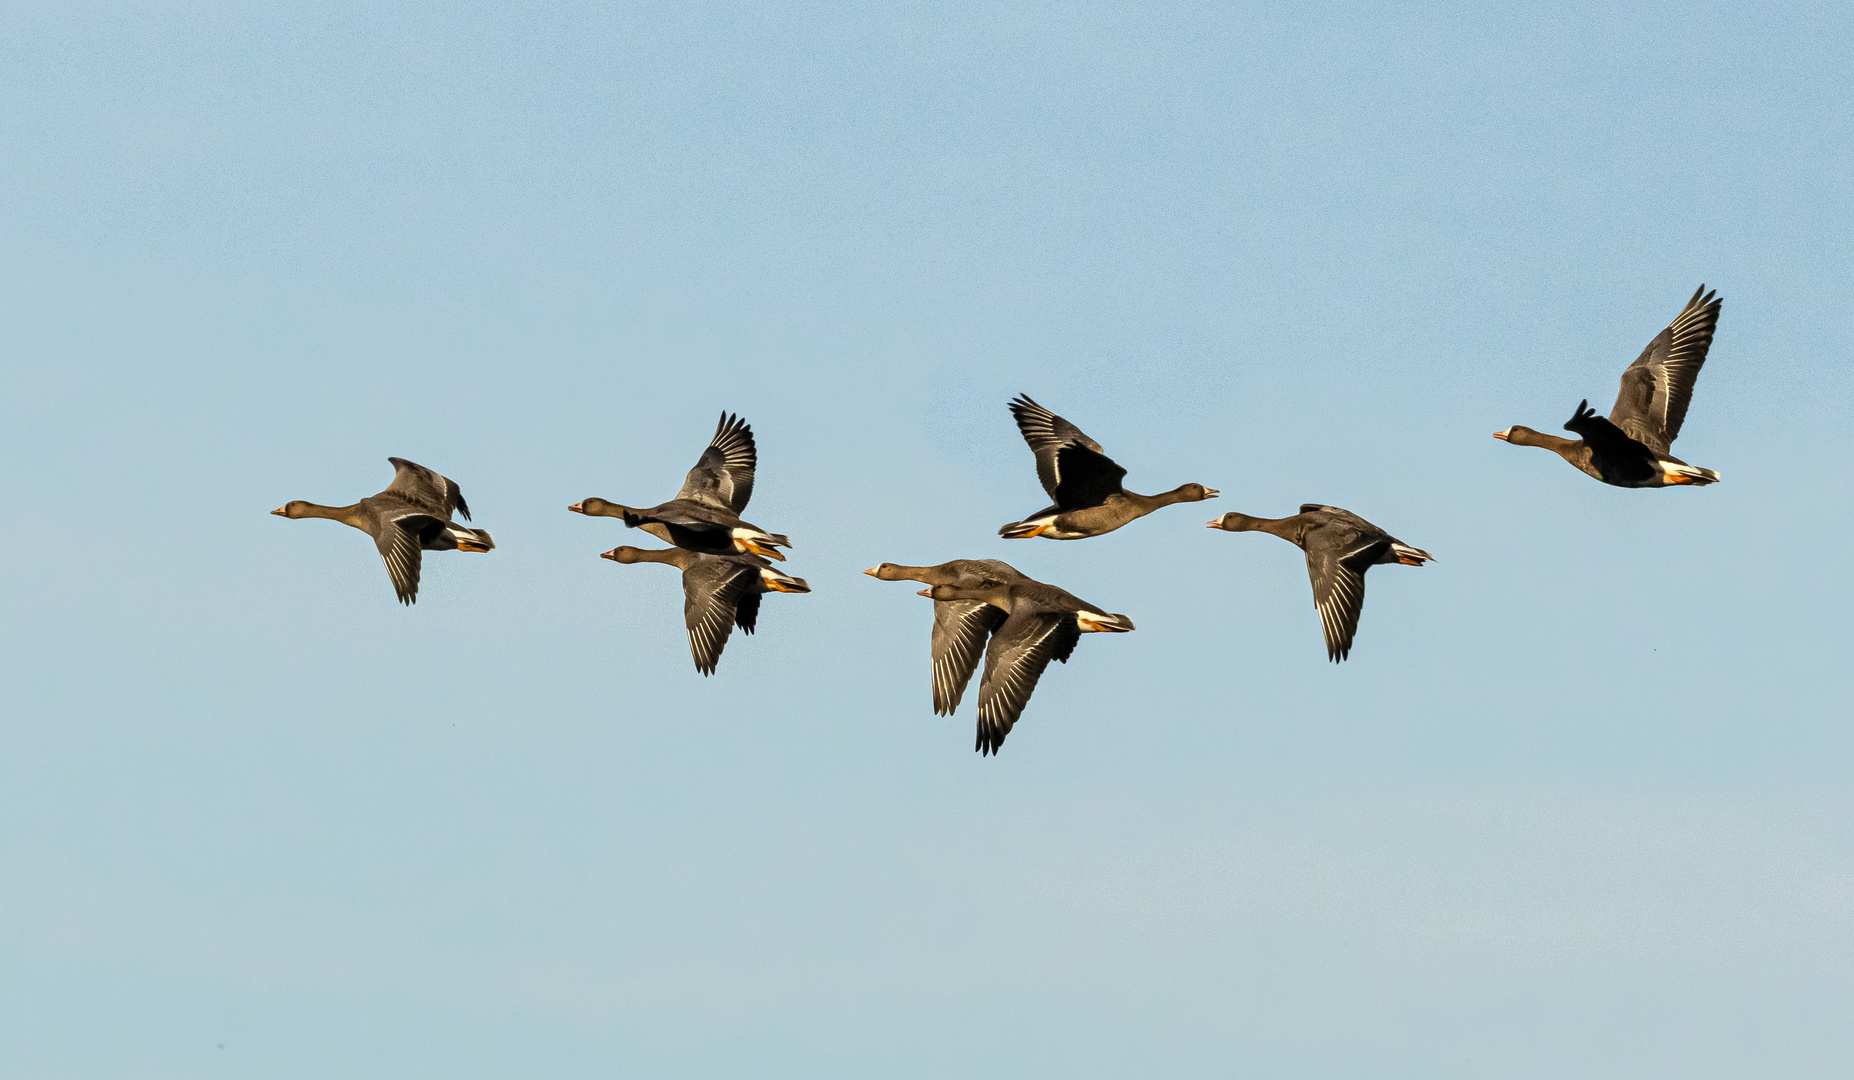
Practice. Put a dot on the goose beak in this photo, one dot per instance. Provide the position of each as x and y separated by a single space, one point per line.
1216 523
1211 493
578 508
928 593
1501 435
281 511
871 571
612 554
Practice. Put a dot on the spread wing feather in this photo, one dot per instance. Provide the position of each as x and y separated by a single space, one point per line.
711 592
960 630
1651 403
723 476
437 495
1339 592
1047 434
1013 663
402 551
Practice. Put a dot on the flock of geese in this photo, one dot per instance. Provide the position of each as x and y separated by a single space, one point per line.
987 606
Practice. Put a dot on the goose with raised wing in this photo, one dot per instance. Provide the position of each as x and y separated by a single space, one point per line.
1633 447
1340 547
704 516
1082 481
412 516
960 627
719 592
1041 623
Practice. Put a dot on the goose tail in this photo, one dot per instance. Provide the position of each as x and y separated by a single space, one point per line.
1410 556
1024 530
1675 472
472 539
778 582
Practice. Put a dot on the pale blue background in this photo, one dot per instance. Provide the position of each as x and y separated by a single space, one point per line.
1578 805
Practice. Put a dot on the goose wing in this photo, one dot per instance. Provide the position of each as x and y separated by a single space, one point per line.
1014 661
711 593
1047 434
1088 477
397 535
723 477
1651 403
960 630
747 611
1337 558
427 490
1603 436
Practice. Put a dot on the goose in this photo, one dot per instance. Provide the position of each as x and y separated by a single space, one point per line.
1083 481
960 627
1631 448
704 516
411 516
718 593
1340 547
1041 623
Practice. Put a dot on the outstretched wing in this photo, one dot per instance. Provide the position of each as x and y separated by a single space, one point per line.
723 477
711 592
426 489
960 630
1088 477
1047 434
1339 589
1013 664
401 550
1651 403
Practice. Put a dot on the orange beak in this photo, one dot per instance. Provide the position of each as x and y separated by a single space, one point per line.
578 508
928 593
1501 435
281 511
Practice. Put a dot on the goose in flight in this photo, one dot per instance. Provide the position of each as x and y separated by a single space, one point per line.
704 516
1340 547
1632 447
719 592
1082 480
413 515
1041 623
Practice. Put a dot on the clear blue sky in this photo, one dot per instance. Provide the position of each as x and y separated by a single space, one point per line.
1578 805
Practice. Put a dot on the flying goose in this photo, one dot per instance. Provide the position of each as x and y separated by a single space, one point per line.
1340 547
705 515
1083 481
1631 448
960 627
1042 623
412 515
718 593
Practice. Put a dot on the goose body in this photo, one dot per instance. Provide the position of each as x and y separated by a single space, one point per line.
1633 447
704 517
719 592
1340 547
1041 623
1083 483
960 627
413 515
